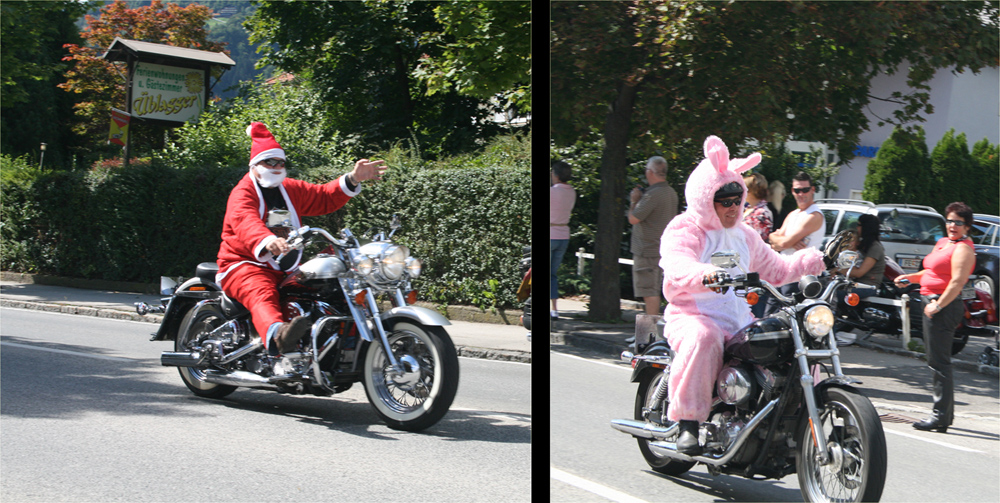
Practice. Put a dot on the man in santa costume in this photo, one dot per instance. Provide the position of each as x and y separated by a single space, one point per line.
248 269
700 318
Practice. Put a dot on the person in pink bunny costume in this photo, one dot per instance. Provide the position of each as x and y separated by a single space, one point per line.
699 320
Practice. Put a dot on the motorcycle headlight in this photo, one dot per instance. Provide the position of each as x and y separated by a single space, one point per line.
818 321
413 266
394 262
365 266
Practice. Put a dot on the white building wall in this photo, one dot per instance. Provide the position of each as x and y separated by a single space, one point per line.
967 102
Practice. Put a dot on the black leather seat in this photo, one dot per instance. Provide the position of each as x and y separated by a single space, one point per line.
207 271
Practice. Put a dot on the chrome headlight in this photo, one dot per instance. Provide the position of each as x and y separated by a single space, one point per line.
394 262
818 321
413 266
365 266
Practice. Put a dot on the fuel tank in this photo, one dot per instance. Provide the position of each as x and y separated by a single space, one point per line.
765 341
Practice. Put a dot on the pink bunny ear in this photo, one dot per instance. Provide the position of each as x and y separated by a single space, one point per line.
717 153
741 165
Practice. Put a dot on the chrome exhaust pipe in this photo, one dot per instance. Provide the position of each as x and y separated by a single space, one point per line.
181 359
642 429
669 449
240 378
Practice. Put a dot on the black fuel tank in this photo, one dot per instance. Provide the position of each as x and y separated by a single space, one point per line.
765 341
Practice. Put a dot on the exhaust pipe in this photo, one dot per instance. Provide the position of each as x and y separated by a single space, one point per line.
188 359
669 449
238 378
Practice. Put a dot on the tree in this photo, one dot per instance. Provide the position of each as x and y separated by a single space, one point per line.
951 164
656 73
900 172
100 85
361 58
32 109
984 181
486 51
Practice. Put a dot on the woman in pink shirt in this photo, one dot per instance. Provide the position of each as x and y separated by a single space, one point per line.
946 269
562 197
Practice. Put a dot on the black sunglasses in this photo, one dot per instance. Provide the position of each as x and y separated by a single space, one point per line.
274 162
956 223
802 191
726 203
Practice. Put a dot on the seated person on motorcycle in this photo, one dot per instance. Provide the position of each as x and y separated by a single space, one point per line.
249 271
872 268
698 320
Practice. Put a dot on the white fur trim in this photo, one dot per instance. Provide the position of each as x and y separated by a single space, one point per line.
346 189
268 154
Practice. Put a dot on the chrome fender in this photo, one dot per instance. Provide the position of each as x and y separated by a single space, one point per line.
419 314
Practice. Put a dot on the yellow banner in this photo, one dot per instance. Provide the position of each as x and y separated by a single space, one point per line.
119 127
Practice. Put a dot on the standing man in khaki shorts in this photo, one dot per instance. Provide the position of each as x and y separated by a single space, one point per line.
649 213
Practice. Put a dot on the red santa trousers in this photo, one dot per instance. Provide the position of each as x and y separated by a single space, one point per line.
257 289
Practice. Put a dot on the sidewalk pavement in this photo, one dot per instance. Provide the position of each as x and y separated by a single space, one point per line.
475 340
609 338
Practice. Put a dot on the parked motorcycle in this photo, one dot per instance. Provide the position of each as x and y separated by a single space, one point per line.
771 414
884 310
403 356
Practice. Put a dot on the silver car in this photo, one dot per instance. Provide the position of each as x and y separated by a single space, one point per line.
909 231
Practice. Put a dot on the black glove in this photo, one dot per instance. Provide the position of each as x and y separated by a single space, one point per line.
829 262
716 277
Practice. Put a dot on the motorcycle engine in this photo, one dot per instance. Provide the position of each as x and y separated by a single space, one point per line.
722 430
876 318
734 386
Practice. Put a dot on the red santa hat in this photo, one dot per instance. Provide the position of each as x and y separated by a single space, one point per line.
264 145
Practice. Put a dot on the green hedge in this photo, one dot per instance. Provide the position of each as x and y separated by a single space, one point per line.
467 224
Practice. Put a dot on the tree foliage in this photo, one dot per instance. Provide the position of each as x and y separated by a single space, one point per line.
900 171
361 57
486 51
654 73
99 85
32 109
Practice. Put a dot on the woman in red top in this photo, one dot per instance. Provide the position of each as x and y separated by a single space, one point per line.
947 268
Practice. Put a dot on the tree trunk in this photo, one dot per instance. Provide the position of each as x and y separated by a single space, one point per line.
605 291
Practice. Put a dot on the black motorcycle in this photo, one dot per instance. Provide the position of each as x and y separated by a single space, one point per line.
772 415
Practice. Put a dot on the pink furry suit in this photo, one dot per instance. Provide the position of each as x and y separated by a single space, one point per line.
698 321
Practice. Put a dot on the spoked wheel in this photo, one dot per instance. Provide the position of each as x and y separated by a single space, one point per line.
645 397
856 442
420 393
196 323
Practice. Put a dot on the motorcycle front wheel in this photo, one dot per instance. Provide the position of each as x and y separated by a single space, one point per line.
645 398
419 395
856 442
196 323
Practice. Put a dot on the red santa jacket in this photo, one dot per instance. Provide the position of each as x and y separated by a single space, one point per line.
244 234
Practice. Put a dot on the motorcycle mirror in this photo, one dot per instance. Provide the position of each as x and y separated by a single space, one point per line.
726 259
395 223
848 259
279 218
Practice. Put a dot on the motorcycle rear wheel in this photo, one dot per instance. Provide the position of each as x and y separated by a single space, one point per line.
196 322
854 434
422 394
644 398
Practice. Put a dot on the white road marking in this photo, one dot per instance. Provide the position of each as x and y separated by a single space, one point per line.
943 444
612 365
491 360
593 487
67 352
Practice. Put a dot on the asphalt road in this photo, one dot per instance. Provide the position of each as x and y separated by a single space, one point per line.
88 414
591 462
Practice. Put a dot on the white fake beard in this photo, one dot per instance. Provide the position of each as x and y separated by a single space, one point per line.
267 178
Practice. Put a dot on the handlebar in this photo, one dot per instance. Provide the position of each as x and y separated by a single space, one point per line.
297 239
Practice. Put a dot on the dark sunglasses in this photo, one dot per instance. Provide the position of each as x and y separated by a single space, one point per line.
274 162
726 203
802 191
956 223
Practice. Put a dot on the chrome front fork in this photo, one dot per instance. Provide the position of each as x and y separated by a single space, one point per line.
809 386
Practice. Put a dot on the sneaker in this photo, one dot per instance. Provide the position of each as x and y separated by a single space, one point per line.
289 334
630 340
554 315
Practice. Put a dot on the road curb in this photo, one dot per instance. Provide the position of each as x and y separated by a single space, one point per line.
511 355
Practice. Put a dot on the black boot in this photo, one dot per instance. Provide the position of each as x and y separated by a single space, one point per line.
935 422
687 442
289 335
